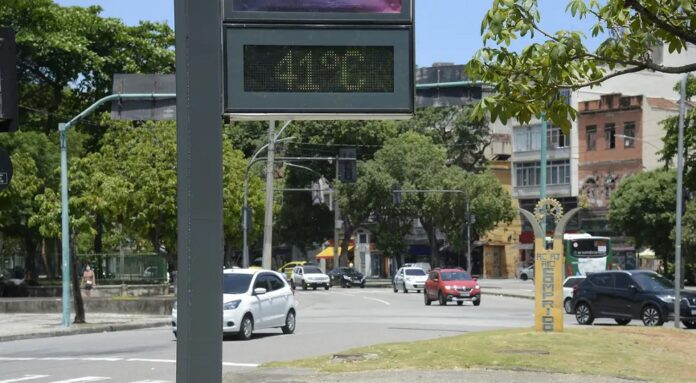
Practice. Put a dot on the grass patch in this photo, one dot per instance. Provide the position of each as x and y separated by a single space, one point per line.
654 354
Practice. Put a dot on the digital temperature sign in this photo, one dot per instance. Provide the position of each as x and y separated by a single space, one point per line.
309 72
318 69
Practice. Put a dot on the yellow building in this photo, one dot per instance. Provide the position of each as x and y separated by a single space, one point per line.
500 245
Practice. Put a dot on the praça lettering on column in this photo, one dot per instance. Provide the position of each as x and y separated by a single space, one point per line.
548 305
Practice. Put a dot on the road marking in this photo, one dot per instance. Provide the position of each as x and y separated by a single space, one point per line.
83 379
151 360
153 381
18 359
378 300
103 359
230 364
25 378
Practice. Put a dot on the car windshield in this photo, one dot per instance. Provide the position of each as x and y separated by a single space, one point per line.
414 272
236 283
572 282
349 270
312 270
653 282
455 276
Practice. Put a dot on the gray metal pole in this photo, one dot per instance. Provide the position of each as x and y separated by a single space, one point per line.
337 216
65 230
268 216
680 182
199 190
542 172
468 236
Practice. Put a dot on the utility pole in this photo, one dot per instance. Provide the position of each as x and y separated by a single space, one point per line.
268 216
542 172
337 216
680 190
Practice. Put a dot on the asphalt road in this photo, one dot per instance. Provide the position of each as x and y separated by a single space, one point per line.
327 322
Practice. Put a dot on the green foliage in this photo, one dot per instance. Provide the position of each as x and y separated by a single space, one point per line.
528 82
643 208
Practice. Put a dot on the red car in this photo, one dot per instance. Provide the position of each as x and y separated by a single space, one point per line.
451 285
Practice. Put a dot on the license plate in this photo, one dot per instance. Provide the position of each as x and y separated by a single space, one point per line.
693 311
464 294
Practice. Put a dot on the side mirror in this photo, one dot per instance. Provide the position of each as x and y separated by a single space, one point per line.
259 291
633 288
475 278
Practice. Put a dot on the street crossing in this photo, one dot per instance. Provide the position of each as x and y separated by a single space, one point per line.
49 379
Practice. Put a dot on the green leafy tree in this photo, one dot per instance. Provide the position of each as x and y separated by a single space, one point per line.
455 128
643 208
528 81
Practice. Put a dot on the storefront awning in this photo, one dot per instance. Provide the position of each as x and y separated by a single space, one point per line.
329 252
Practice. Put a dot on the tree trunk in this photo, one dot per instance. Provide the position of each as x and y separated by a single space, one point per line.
432 240
57 268
30 260
77 292
44 259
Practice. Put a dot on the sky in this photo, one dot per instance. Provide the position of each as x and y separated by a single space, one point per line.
446 30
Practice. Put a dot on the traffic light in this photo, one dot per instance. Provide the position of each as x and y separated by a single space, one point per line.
396 190
347 168
8 82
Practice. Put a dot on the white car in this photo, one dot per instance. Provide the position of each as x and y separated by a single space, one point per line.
568 286
254 299
309 276
526 273
409 278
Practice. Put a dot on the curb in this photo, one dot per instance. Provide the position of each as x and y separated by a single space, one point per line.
86 330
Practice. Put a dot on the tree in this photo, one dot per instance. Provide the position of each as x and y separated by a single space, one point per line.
528 82
643 208
454 127
67 57
670 140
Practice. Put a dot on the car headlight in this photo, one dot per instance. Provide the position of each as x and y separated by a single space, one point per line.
477 287
346 277
450 287
231 305
666 298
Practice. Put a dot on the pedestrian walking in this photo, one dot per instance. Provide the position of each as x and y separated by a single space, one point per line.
89 280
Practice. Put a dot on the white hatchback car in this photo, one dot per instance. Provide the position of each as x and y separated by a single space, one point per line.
409 278
254 299
568 286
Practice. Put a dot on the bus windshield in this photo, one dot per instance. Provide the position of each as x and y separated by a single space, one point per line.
588 247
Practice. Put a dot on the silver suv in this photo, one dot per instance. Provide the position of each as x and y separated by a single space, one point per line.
309 276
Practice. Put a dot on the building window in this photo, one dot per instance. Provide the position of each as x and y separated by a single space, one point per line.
529 173
591 137
556 138
609 136
527 138
629 134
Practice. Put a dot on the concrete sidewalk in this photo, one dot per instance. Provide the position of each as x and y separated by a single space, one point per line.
18 326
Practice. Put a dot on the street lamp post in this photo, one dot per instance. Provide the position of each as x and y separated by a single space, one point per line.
65 225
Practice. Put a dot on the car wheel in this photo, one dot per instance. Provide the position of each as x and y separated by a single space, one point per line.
292 285
289 327
583 314
567 306
314 288
175 333
304 285
523 277
441 298
622 322
246 328
651 316
418 291
395 289
459 303
362 285
425 298
477 302
405 289
690 324
326 287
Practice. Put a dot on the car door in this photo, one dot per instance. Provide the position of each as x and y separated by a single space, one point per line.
431 284
621 299
279 299
603 284
262 302
297 276
399 278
